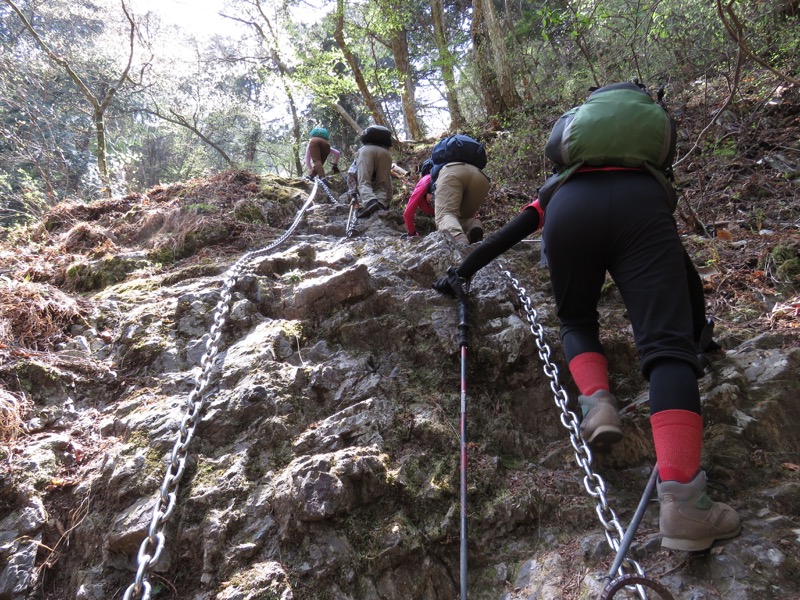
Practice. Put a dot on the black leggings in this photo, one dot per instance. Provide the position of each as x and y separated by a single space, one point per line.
620 223
527 222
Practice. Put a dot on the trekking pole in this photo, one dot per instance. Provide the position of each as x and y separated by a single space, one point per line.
462 342
351 217
627 539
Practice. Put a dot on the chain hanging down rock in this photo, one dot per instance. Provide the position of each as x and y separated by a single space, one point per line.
593 483
152 546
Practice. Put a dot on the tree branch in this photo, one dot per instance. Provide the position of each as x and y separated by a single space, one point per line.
736 31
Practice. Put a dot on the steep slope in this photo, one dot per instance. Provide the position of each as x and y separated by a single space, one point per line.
325 460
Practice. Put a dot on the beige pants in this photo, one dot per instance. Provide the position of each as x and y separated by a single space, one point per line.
460 191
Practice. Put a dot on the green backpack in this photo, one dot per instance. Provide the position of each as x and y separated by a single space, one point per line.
619 125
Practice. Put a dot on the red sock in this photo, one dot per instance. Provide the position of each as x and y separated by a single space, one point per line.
678 438
590 372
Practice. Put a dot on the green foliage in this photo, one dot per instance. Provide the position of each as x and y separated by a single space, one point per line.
216 97
725 148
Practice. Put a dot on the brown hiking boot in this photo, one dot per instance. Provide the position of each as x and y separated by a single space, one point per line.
600 426
690 520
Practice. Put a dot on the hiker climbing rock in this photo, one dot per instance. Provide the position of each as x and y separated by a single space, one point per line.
613 215
420 199
373 170
317 153
459 187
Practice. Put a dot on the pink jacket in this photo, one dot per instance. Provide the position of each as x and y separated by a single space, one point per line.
419 200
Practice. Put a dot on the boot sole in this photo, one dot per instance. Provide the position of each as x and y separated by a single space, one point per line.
697 545
604 437
368 211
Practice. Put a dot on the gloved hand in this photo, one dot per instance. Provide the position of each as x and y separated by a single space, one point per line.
452 285
335 169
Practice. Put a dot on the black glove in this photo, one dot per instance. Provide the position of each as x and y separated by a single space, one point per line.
452 285
335 169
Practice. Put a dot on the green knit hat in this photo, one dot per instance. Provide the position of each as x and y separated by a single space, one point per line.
320 132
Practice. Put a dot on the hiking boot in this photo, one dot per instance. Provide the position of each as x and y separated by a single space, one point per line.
600 426
372 206
690 520
460 239
475 235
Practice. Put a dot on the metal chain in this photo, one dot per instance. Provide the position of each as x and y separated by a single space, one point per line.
639 582
352 216
593 483
152 546
331 196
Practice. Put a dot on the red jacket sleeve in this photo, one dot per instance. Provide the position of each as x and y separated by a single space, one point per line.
418 200
535 206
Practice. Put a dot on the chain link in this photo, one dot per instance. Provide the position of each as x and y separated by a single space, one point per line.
331 196
593 483
352 216
152 547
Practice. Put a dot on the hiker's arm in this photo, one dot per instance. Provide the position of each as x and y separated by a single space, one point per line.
334 156
517 229
415 202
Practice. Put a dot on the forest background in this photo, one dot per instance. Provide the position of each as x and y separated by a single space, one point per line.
101 97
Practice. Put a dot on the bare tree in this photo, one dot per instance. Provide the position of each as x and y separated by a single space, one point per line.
191 124
735 28
98 103
269 36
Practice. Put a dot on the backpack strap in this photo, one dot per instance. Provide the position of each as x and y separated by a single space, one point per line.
555 181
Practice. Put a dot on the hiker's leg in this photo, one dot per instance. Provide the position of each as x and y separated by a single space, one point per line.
575 235
649 268
647 263
447 203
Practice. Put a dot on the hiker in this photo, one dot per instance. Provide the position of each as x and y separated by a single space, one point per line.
459 187
610 215
420 199
374 170
528 221
317 153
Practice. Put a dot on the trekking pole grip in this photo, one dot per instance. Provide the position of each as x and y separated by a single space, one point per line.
463 327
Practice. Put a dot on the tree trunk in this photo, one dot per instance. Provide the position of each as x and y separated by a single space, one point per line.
446 62
493 101
102 162
403 64
338 35
346 116
502 57
272 43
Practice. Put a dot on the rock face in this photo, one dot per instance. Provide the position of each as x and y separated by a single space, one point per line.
324 462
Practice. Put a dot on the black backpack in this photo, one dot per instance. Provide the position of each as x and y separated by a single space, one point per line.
377 135
457 148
